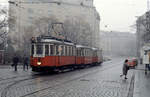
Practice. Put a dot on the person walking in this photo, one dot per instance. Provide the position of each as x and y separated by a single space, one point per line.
15 62
146 61
25 62
125 69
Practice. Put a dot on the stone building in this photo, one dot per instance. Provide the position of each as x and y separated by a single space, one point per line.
32 18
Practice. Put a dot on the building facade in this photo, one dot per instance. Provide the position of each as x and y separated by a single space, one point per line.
143 32
30 18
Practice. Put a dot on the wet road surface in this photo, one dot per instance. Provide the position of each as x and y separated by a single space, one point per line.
98 81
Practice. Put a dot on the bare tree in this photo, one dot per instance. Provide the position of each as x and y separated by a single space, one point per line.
78 31
3 26
43 24
39 26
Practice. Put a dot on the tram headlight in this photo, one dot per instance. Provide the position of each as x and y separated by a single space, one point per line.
38 63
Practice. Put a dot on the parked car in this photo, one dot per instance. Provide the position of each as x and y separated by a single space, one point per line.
133 63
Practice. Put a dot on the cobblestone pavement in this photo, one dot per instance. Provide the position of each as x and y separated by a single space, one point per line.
141 86
98 81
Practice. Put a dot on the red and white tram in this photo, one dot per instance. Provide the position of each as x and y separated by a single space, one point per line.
48 53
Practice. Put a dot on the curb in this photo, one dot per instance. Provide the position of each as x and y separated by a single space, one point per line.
131 86
136 84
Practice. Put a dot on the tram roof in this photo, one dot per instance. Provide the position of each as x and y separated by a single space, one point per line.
81 46
95 49
48 39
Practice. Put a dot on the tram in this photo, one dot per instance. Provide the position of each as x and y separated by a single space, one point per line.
49 53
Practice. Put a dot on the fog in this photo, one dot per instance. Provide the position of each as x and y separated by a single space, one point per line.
116 43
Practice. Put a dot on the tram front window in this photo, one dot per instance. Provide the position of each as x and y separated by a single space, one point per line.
32 50
39 49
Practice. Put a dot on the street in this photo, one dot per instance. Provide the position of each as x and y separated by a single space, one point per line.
98 81
64 42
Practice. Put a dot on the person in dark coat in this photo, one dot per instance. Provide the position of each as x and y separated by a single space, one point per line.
25 62
15 62
125 69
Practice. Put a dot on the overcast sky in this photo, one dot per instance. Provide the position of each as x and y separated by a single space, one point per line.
118 15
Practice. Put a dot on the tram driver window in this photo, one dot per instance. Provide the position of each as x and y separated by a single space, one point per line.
39 49
32 50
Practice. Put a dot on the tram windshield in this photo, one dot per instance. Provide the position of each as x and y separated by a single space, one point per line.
32 50
39 49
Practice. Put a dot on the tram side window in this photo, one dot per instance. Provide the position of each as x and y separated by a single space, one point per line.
65 50
77 52
80 52
68 51
46 50
32 50
96 54
39 49
62 50
57 52
83 53
72 51
52 49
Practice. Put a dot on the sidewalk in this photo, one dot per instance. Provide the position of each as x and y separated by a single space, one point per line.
8 66
142 83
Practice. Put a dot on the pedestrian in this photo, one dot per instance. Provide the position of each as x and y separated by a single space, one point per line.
25 62
125 69
15 62
146 61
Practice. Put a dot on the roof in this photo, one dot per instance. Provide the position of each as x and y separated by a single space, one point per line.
94 49
81 46
49 39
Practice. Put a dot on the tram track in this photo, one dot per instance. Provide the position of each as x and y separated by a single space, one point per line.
4 92
12 79
68 81
3 79
6 89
